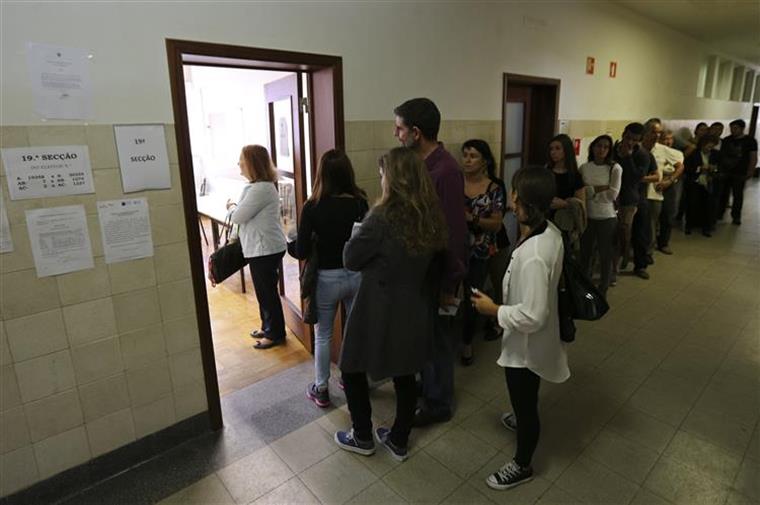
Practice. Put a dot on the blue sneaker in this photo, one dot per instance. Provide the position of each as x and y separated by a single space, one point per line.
348 442
383 437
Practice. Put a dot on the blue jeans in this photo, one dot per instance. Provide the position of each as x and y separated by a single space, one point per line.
333 286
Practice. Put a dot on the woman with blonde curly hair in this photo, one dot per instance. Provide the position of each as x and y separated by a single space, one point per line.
388 333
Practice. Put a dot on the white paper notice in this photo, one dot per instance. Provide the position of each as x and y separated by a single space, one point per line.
6 240
125 226
60 240
60 78
142 157
37 172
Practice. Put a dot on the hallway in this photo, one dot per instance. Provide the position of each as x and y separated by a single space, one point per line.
662 408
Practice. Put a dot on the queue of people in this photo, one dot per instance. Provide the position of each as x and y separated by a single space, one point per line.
404 266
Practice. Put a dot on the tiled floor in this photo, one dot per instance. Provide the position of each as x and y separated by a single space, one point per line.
663 407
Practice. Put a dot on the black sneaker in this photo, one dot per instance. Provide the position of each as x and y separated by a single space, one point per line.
382 435
509 476
509 421
348 442
320 396
641 273
425 417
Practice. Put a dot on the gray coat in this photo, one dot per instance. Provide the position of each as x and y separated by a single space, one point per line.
389 331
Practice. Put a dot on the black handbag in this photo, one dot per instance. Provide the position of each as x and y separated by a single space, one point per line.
577 298
226 260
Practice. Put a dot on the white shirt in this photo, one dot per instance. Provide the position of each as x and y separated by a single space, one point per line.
601 205
258 214
529 316
666 158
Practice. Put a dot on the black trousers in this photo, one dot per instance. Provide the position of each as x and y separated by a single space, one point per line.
641 235
730 184
476 277
700 211
357 397
265 271
522 385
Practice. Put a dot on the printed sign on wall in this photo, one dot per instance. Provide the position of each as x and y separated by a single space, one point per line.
60 78
142 157
590 65
125 228
37 172
60 240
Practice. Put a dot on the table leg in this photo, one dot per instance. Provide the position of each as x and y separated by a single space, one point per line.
215 234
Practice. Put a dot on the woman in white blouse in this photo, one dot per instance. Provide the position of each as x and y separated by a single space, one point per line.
601 177
530 346
262 239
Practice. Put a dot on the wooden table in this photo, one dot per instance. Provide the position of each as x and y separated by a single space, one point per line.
214 208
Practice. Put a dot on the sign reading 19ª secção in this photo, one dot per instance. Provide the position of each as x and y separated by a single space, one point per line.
143 158
38 172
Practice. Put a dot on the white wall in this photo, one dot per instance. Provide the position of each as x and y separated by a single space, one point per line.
454 53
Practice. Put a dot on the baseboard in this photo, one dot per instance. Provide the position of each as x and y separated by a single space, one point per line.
75 480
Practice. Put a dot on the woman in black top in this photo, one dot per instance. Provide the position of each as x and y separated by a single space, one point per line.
571 192
700 169
327 219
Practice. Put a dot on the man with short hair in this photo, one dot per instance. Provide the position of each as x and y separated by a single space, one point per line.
417 123
641 236
670 161
738 159
635 164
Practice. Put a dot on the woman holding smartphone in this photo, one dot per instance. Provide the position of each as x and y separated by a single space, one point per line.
531 349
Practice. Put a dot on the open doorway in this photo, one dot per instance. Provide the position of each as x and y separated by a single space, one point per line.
226 97
530 108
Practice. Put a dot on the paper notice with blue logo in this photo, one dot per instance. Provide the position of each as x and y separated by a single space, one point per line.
125 228
143 159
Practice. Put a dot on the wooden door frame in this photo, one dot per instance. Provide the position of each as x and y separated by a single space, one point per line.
181 52
523 80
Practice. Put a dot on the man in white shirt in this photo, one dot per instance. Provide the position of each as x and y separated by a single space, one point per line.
670 161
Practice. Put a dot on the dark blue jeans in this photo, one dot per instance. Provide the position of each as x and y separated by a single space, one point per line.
438 374
641 235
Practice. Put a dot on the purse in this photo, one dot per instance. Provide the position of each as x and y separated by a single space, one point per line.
577 298
228 259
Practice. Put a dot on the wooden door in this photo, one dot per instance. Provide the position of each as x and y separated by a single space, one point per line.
287 148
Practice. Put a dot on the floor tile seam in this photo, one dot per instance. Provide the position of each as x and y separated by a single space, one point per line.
639 487
443 464
681 424
304 469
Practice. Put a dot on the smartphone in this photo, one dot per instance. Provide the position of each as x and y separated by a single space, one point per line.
475 291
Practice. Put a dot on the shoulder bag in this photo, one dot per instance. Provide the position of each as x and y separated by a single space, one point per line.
228 259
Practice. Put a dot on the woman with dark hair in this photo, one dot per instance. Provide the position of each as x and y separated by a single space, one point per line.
568 206
700 169
389 331
692 144
530 347
326 222
485 203
564 166
258 215
601 177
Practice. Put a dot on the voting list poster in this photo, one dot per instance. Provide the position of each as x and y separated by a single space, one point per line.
60 240
38 172
143 159
125 228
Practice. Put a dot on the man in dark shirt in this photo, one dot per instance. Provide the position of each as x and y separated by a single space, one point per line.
634 162
642 227
738 159
416 126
